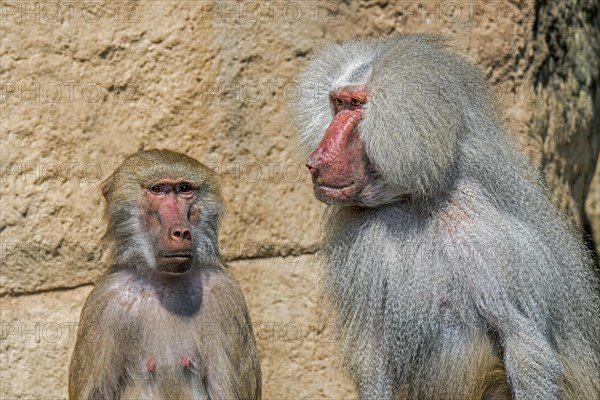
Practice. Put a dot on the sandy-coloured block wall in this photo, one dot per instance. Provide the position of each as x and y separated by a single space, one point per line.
83 84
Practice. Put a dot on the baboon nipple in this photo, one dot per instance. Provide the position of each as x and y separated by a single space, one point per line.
185 362
151 364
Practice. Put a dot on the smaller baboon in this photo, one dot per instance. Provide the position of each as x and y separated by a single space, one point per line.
450 273
167 321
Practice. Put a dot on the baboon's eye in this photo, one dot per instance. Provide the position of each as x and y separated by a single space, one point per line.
338 102
356 102
185 188
155 189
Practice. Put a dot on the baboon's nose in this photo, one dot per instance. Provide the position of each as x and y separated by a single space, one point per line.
180 232
313 168
314 162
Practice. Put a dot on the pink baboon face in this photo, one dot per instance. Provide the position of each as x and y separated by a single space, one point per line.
339 165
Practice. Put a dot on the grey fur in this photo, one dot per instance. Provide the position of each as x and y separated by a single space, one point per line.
459 261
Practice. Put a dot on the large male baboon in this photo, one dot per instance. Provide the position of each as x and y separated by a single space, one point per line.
451 274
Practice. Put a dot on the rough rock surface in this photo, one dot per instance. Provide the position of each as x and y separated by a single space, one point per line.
85 84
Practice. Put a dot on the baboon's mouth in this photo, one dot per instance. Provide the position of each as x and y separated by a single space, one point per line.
179 254
335 187
334 194
177 262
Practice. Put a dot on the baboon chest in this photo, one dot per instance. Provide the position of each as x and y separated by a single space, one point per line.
165 347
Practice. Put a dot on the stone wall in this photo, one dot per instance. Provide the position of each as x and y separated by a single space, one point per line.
86 83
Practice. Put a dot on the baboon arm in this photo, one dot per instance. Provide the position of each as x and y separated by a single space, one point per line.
532 366
243 385
373 378
233 371
93 382
250 374
232 376
95 369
